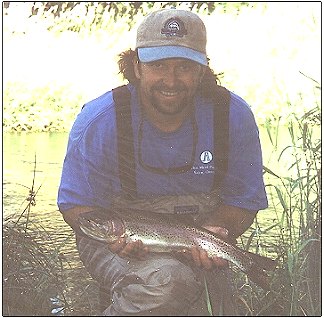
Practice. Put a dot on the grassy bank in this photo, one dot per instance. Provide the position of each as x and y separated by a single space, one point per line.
39 109
41 274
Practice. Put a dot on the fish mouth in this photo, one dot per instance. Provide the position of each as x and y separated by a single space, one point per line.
91 229
105 231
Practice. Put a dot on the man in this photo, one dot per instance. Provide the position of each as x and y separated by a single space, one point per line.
175 169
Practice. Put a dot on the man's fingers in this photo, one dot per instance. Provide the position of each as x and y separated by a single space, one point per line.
134 250
220 262
206 262
195 254
201 259
118 245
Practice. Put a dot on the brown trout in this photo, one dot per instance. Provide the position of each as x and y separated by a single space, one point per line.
169 233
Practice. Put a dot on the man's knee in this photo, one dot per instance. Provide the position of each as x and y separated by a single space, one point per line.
175 280
166 288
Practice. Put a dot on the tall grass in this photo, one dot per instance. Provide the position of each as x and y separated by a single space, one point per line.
32 278
38 279
294 235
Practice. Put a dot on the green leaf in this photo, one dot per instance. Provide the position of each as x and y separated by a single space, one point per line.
209 305
270 172
300 248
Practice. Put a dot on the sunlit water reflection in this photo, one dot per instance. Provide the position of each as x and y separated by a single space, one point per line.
18 180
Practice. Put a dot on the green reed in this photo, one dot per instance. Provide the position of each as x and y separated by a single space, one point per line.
294 234
38 278
33 284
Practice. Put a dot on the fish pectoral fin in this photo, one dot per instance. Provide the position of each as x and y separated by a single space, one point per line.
112 239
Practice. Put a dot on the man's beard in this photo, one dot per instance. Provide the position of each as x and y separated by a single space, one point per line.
174 107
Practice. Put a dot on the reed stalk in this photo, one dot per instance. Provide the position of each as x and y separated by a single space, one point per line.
294 236
32 275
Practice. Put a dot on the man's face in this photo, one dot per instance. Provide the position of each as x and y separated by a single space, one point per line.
168 85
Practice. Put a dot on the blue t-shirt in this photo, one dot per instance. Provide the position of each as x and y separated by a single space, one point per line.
90 175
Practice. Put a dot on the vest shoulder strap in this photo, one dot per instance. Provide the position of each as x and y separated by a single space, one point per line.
125 141
221 134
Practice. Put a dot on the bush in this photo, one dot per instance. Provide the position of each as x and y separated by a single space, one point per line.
39 109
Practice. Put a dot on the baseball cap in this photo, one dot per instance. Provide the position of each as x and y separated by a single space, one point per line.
172 33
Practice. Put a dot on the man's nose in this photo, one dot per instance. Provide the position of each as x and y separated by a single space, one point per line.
170 77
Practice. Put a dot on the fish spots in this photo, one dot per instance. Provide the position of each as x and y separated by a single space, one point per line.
165 233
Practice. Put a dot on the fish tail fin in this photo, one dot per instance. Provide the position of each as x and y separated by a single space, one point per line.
263 262
257 272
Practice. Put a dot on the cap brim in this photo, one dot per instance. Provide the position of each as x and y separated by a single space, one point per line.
151 54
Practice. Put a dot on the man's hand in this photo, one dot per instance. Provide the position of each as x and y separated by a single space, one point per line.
200 256
235 219
135 249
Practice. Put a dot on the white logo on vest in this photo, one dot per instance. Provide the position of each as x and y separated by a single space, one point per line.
206 156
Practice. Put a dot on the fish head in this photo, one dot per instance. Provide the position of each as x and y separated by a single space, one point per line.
103 228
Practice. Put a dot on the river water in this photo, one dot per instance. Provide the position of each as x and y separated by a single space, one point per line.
18 177
21 173
18 163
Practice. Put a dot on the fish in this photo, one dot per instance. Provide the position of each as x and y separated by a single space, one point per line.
166 233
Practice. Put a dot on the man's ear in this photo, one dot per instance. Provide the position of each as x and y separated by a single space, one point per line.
136 66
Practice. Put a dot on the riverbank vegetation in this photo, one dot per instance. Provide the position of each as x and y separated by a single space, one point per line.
41 275
71 58
295 233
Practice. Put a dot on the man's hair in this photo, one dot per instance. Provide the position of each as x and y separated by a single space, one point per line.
125 63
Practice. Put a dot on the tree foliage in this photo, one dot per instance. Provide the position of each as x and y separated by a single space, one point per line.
130 8
97 11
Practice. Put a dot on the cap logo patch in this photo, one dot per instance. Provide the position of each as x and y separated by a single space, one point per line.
174 27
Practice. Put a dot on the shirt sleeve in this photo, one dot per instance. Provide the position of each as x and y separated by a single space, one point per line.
243 185
89 175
